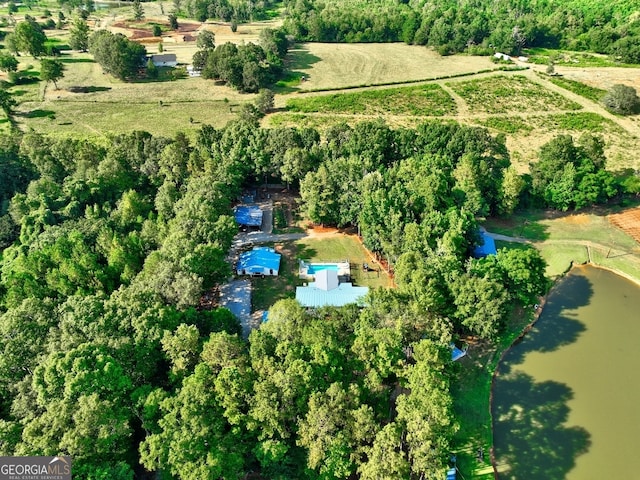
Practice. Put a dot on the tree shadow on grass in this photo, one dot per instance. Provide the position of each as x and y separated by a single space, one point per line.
301 59
18 93
530 438
38 113
87 89
305 252
77 60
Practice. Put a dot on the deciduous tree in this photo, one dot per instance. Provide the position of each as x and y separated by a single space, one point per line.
51 70
29 37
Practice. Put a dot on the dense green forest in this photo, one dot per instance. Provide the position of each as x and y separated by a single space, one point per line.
477 26
106 354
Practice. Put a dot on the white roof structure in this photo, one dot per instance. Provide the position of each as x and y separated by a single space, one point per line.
327 280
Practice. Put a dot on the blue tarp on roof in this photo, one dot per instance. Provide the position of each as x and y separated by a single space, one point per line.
249 215
488 246
258 260
456 353
343 294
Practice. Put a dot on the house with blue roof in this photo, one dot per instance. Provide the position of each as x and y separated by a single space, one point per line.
487 246
260 261
326 291
248 215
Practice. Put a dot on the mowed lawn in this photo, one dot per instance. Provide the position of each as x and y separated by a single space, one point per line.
340 247
326 248
331 65
566 239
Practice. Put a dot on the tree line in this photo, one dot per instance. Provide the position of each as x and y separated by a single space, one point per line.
476 26
237 11
107 354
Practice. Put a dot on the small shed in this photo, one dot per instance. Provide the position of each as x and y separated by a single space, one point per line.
487 246
502 56
164 59
260 261
193 71
248 215
456 353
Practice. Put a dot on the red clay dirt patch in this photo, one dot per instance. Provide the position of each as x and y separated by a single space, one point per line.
579 219
183 33
628 222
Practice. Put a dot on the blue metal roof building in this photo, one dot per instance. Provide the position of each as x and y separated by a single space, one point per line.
488 246
248 215
259 261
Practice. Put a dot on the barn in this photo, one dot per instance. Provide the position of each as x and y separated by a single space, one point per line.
164 60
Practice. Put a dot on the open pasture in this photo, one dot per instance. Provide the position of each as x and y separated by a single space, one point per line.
509 93
330 65
110 105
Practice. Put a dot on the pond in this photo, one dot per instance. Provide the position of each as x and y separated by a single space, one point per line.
565 400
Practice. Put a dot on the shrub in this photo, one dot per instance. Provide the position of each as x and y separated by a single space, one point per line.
622 99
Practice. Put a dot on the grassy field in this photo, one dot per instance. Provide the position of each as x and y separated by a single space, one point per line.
330 65
579 238
543 56
162 107
507 94
425 100
587 91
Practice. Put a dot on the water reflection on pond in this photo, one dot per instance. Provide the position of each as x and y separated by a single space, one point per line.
565 399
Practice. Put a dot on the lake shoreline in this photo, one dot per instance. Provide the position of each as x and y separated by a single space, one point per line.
529 326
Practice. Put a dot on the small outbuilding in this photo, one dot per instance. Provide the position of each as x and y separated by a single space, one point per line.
193 71
248 215
457 353
261 261
164 59
487 246
328 291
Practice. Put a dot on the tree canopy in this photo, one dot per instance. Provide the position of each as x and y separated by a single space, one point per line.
28 37
108 354
478 26
117 55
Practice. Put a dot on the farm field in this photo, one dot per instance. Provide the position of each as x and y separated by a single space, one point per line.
426 99
335 66
527 106
515 93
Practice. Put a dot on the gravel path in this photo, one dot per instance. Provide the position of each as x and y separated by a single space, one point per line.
236 296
